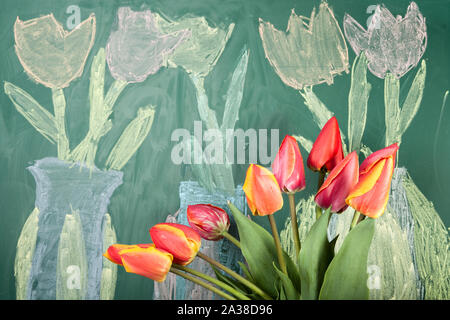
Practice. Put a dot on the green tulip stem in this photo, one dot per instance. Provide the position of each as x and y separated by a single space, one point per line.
232 239
201 283
319 184
294 223
276 238
235 275
218 283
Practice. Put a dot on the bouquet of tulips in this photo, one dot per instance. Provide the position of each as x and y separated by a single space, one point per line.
268 272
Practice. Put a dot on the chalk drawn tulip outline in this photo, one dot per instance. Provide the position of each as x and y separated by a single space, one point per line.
46 50
138 48
391 44
311 51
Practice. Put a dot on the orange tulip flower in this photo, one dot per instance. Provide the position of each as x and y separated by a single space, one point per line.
339 183
149 262
262 191
371 193
179 240
112 253
288 166
327 149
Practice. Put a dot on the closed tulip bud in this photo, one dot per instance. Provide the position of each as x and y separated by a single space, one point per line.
112 253
370 195
327 149
288 166
149 262
209 221
339 183
179 240
262 191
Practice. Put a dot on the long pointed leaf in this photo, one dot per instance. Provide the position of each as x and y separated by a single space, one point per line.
413 99
259 251
346 276
235 93
315 256
357 102
131 139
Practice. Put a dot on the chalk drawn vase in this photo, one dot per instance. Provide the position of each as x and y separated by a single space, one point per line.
177 288
67 190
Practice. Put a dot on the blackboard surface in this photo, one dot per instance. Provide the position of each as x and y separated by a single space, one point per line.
149 191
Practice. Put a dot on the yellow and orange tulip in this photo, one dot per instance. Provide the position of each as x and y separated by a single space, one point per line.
371 193
262 191
143 259
112 253
149 262
179 240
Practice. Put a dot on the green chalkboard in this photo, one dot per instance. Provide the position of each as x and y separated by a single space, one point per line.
239 75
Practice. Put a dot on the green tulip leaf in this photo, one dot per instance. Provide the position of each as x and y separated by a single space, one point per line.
287 290
258 249
346 276
315 256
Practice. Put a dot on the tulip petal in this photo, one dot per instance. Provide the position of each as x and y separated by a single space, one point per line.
327 149
371 194
288 166
376 156
338 184
181 241
149 262
113 251
262 191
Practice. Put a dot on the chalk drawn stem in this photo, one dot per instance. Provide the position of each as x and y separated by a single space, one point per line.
59 105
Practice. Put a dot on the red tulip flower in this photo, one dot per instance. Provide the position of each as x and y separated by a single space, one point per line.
371 193
181 241
339 183
262 191
327 149
288 166
209 221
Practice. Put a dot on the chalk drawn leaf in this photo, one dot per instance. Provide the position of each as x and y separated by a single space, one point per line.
42 120
311 51
132 138
393 44
200 52
51 55
138 48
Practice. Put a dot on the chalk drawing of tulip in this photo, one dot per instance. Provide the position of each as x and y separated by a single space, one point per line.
51 55
138 48
200 52
197 56
311 51
391 44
